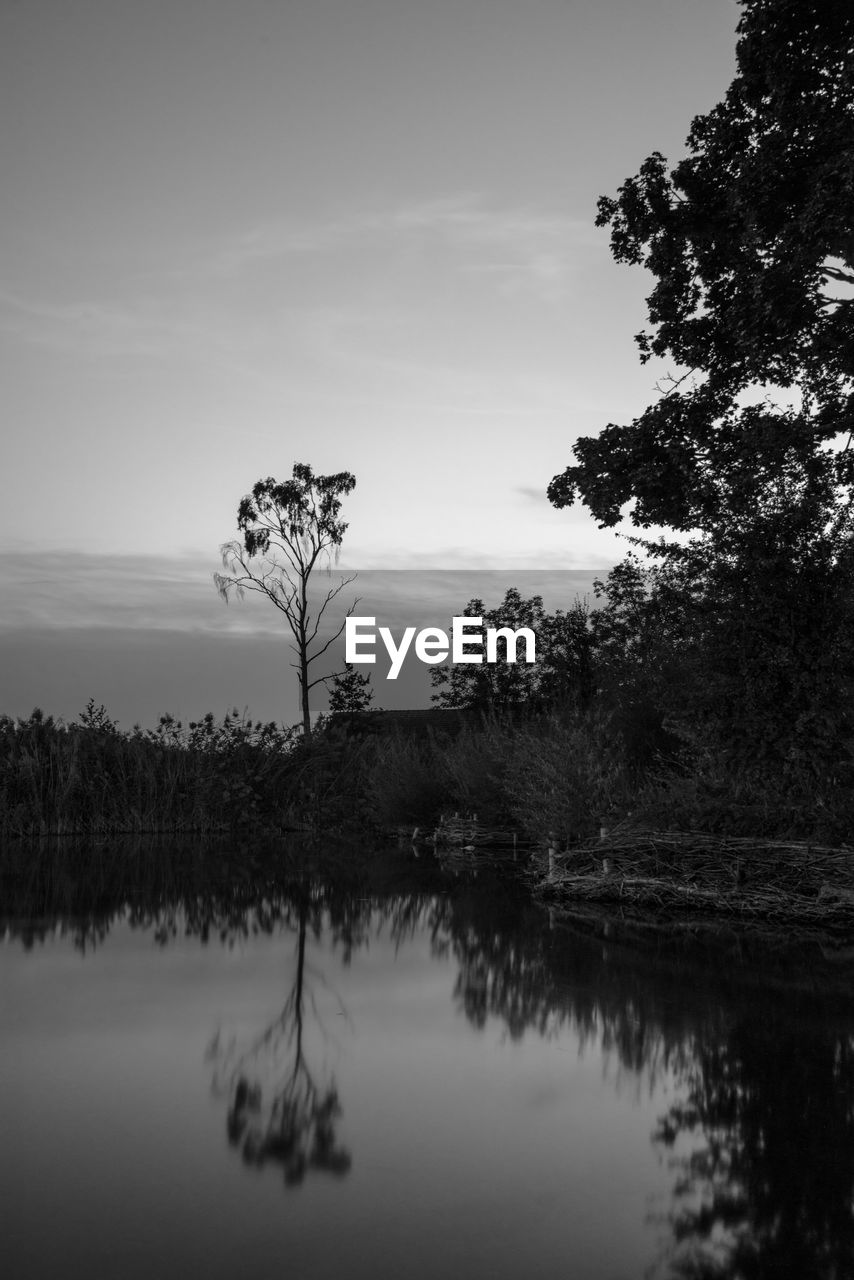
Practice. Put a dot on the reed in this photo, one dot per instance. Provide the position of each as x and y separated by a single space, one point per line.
90 778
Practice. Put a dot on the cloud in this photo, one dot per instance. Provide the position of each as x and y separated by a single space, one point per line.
152 326
51 590
68 589
79 325
539 249
532 493
222 304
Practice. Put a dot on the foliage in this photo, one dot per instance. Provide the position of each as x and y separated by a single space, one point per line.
749 241
743 646
97 718
350 691
407 780
736 639
92 778
565 779
561 675
288 530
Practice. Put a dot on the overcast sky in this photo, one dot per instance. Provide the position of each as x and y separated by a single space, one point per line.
236 234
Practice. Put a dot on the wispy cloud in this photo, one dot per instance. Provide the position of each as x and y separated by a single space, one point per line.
67 590
538 249
136 326
532 494
77 325
350 310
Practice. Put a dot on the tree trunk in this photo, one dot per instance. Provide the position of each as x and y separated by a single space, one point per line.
303 685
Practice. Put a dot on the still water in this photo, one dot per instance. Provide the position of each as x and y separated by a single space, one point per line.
408 1074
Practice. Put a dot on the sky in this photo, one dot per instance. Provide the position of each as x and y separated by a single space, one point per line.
239 234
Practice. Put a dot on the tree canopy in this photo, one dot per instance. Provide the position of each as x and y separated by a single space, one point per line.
562 672
747 449
750 240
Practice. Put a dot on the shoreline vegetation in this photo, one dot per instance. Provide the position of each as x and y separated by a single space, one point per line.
556 794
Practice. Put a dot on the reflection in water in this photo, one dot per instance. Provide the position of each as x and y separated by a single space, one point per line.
761 1137
290 1119
757 1048
763 1145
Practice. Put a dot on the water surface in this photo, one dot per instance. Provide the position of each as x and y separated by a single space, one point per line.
316 1076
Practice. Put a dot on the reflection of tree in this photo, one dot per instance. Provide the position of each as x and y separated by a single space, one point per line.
763 1140
760 1051
512 967
198 888
293 1124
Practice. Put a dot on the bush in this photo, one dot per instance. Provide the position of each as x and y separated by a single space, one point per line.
565 779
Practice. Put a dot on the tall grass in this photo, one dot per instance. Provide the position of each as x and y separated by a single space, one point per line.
91 778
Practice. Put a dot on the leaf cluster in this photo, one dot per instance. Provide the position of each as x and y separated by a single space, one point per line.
750 240
561 674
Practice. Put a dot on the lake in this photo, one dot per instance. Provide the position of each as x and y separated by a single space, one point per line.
383 1068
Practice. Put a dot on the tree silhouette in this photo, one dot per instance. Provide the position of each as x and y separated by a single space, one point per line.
289 529
350 691
562 674
748 239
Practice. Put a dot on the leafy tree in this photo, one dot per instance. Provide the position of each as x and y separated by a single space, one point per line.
491 686
288 530
749 239
562 673
743 648
350 691
641 637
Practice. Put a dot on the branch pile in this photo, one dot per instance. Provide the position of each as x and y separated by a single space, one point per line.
767 881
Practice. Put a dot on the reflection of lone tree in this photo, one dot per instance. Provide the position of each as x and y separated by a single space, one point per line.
294 1122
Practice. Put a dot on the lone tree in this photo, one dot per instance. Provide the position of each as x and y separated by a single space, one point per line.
289 529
